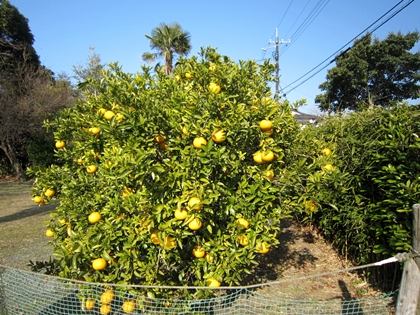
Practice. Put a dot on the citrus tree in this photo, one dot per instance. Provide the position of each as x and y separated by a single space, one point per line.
169 180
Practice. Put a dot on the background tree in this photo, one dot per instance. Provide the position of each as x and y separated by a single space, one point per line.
28 92
168 40
372 73
91 70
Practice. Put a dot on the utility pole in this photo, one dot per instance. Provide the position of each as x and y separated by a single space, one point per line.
276 56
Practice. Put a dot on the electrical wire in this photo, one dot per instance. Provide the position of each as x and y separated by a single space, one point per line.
331 61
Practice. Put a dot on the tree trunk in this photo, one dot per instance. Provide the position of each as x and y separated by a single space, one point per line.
14 161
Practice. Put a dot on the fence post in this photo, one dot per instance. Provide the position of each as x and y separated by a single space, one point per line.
416 242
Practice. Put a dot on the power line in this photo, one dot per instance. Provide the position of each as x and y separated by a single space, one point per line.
366 29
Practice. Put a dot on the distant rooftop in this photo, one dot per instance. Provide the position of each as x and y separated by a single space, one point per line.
303 118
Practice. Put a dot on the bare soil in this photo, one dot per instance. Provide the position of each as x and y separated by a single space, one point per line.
302 251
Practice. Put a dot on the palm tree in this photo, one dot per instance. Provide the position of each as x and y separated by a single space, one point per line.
168 40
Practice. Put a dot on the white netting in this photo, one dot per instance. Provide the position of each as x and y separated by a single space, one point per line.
28 293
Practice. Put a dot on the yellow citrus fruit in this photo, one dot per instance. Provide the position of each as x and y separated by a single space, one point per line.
326 151
199 142
127 192
243 223
188 75
310 205
266 125
129 306
267 156
159 138
257 156
118 117
209 258
198 252
109 114
269 174
194 203
212 282
219 136
212 67
214 88
37 199
155 239
181 214
94 130
49 233
60 144
105 309
101 111
195 224
91 169
107 297
94 217
269 131
243 240
89 304
328 167
184 131
178 77
170 242
49 192
99 264
262 248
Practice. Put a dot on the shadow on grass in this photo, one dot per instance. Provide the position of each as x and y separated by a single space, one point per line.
272 265
36 210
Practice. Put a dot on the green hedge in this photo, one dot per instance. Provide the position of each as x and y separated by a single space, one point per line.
363 205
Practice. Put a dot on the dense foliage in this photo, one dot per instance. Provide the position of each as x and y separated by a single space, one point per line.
363 204
373 73
170 179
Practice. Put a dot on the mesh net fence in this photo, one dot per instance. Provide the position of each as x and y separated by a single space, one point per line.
24 292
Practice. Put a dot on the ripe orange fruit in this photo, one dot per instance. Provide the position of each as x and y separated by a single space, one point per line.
195 224
181 214
99 264
243 223
266 125
212 282
219 136
214 88
129 306
49 192
267 156
94 217
159 138
326 151
209 258
328 167
89 304
269 174
49 233
199 142
109 114
154 237
188 75
243 240
91 169
262 248
194 203
310 205
258 157
105 309
107 297
198 252
94 130
60 144
37 199
169 242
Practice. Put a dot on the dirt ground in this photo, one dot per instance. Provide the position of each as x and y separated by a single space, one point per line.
302 251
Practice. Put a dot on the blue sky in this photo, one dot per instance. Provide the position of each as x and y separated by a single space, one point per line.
64 31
